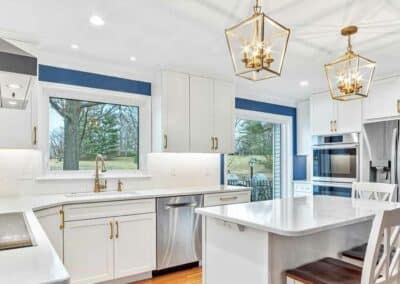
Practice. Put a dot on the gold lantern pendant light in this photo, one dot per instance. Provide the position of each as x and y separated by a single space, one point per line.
257 46
350 75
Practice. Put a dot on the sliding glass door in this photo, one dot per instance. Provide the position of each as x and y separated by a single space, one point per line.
257 158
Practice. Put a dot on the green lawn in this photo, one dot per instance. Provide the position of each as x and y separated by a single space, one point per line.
239 165
118 163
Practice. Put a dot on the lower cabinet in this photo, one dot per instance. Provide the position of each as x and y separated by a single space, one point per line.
216 199
108 248
51 220
134 244
89 250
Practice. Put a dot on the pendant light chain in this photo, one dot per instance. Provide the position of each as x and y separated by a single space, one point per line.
257 7
349 46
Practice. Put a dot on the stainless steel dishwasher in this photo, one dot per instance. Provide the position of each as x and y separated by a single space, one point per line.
178 231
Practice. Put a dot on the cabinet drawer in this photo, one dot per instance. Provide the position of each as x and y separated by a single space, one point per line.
108 209
226 198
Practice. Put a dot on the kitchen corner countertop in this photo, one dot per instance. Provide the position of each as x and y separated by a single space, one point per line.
298 216
40 263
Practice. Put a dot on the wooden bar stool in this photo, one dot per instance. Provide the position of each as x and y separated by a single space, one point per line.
368 191
382 269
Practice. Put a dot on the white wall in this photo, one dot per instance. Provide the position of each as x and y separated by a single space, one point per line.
19 169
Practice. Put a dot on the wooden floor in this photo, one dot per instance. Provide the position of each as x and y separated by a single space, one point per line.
188 276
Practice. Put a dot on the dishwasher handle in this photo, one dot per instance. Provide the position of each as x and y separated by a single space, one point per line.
181 205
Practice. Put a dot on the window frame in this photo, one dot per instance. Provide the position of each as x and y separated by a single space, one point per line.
143 102
286 123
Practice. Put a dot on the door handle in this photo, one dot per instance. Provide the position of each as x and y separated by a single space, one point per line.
117 226
34 135
165 141
180 205
62 219
111 230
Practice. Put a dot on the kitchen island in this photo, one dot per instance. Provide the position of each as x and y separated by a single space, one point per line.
256 242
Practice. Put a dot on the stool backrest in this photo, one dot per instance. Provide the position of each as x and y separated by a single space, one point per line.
374 191
383 268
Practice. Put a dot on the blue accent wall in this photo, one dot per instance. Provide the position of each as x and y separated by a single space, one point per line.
299 167
92 80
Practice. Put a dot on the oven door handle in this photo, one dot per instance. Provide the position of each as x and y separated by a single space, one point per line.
336 146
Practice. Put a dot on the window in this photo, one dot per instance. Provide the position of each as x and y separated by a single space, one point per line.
79 130
257 158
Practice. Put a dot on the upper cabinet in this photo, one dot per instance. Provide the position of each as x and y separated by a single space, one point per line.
303 128
331 117
19 127
192 114
383 100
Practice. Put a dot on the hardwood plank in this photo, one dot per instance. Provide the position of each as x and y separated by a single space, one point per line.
188 276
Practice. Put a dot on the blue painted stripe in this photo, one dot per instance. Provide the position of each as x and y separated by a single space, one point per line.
92 80
299 168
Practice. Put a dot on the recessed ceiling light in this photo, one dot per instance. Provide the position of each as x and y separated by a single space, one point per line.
96 20
74 46
304 83
13 86
13 103
132 58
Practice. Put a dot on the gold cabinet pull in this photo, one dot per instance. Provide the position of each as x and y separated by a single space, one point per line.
331 125
230 198
398 106
216 143
34 135
212 143
335 128
117 226
62 219
111 230
165 141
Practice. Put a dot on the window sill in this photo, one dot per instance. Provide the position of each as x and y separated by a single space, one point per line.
89 176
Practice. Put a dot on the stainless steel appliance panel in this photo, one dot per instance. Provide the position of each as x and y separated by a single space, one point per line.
178 231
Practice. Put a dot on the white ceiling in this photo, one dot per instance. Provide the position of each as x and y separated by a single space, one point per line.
188 35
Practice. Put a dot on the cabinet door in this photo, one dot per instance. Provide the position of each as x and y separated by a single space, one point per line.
303 128
201 114
348 116
322 114
51 222
88 250
135 244
175 112
382 101
224 107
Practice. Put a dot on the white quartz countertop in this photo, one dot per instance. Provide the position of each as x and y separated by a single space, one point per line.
40 263
298 216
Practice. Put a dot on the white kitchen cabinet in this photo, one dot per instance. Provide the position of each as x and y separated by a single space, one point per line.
383 100
322 112
18 128
303 128
109 240
224 116
192 114
348 116
88 250
330 116
51 221
135 244
171 113
216 199
201 114
211 116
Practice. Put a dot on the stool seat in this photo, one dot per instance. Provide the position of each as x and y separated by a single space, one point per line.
327 271
357 253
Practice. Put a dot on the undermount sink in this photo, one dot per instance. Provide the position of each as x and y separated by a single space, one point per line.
103 193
